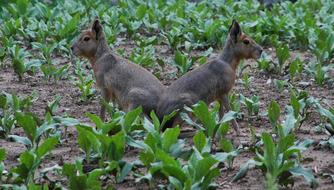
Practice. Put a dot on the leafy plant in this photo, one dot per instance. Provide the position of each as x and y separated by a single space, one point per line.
143 56
78 179
183 63
85 85
31 159
107 151
209 119
252 104
19 57
283 54
10 104
274 113
2 158
246 80
295 67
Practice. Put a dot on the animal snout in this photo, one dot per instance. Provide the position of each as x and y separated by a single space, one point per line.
260 50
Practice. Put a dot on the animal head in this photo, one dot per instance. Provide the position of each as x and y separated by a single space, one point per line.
87 43
243 46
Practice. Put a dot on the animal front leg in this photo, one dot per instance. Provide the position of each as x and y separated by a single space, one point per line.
226 104
106 97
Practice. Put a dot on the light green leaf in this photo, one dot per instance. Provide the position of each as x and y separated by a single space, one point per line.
274 112
169 138
199 141
47 146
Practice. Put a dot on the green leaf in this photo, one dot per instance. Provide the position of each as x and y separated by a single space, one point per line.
78 182
226 145
3 101
209 178
295 104
27 159
28 124
223 129
126 169
175 182
47 146
165 158
306 173
294 67
202 167
289 123
117 146
22 6
69 170
199 141
19 139
274 112
168 117
93 181
2 154
96 119
283 54
243 170
285 142
176 172
269 152
83 140
229 116
201 112
169 138
131 116
141 11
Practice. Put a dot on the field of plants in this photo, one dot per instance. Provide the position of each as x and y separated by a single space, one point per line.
51 136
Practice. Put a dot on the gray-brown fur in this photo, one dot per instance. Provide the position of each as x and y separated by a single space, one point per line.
124 83
213 80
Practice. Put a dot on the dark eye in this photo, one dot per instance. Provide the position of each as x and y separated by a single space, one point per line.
246 42
86 39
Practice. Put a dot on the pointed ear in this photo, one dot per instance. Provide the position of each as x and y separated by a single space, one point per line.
97 28
235 31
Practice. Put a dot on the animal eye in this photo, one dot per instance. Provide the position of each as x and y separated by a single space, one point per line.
246 42
86 39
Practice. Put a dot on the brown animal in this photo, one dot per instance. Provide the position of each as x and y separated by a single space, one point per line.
124 83
213 80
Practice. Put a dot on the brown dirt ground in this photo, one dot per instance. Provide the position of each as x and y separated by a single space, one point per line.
321 160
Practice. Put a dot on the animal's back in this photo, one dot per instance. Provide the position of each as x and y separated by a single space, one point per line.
132 83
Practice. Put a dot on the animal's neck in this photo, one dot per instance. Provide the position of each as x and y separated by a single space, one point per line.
229 55
102 47
92 61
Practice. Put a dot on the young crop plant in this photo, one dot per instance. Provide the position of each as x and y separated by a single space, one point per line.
183 63
252 104
162 156
81 180
9 105
295 67
143 56
85 84
19 61
283 54
246 80
211 123
104 146
279 158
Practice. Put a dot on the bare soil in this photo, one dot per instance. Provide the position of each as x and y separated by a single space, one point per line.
319 159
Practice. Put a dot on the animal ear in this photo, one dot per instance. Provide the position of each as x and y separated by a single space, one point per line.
235 31
97 28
